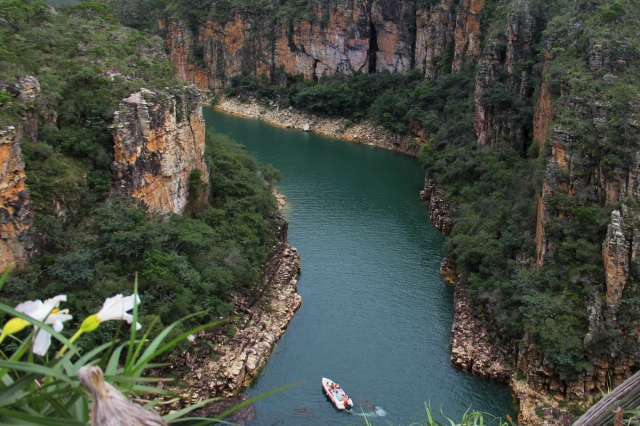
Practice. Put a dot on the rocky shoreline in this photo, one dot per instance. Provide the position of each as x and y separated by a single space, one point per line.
472 347
440 211
225 359
365 133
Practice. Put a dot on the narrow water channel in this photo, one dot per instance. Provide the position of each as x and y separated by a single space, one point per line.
376 316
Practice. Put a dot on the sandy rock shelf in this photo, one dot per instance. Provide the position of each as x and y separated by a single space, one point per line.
365 133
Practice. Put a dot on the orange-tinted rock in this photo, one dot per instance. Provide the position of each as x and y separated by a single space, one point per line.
158 141
467 34
434 32
351 36
543 109
15 212
615 253
448 270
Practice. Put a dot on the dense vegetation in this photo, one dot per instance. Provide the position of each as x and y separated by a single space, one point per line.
92 243
496 186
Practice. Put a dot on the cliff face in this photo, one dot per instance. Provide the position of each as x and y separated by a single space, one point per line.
15 212
501 66
351 36
158 141
16 216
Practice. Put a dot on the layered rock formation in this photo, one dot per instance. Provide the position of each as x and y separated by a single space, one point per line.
16 215
15 211
473 347
441 212
158 141
349 36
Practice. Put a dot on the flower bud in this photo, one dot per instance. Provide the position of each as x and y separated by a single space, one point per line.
90 323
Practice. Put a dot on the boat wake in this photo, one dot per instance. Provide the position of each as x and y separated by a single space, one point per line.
377 412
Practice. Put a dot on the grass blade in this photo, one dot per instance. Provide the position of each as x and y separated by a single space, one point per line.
34 368
112 365
38 420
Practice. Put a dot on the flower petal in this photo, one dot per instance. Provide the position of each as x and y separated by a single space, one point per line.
28 306
112 309
41 343
61 316
39 310
129 318
128 302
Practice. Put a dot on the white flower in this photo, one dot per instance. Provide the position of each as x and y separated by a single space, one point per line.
116 307
48 312
42 340
39 310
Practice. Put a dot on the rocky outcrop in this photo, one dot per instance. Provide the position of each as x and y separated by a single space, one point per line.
467 34
494 121
16 215
540 409
448 270
158 141
366 132
219 365
472 346
343 38
616 256
542 378
440 211
15 210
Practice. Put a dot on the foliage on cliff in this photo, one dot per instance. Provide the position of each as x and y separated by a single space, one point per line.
91 245
185 264
560 305
145 13
586 53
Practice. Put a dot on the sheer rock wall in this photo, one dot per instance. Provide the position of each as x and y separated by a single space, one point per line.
158 141
15 212
365 36
16 215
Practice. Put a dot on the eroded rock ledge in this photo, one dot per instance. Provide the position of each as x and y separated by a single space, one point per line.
471 347
217 365
440 211
366 133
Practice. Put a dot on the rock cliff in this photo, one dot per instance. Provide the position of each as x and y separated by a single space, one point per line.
158 141
16 215
441 212
349 36
15 212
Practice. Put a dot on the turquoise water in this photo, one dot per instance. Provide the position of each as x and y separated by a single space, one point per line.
376 316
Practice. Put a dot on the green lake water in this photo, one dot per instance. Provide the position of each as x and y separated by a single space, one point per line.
375 316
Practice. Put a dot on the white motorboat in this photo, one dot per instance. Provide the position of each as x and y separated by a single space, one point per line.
336 394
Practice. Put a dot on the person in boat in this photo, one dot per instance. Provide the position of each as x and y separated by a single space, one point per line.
345 401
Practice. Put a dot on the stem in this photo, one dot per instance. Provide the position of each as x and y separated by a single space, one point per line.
73 339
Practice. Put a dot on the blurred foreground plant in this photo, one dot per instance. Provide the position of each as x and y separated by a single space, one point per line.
47 391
